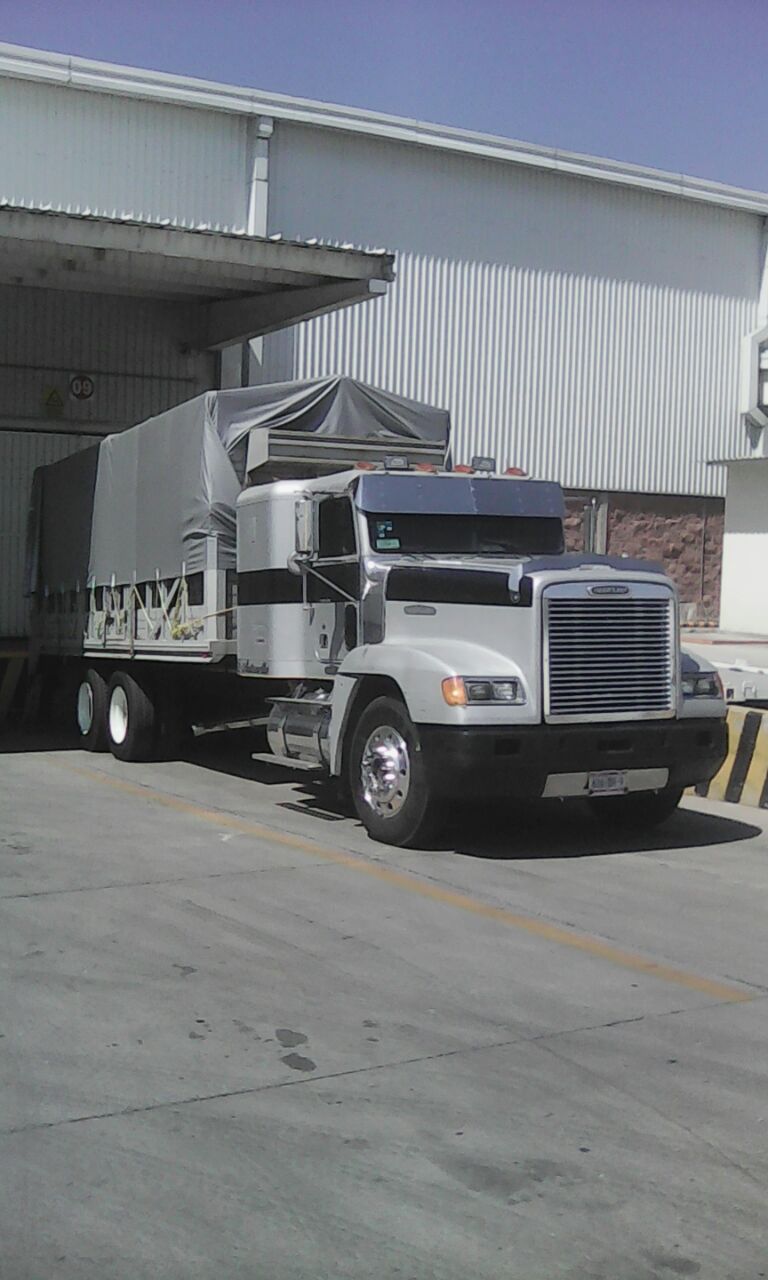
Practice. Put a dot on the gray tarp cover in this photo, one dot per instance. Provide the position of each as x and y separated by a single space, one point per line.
60 517
162 487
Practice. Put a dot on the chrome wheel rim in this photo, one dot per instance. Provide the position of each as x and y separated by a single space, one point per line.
385 772
118 715
85 708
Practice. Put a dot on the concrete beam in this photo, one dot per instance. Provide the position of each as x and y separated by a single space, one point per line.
226 323
203 247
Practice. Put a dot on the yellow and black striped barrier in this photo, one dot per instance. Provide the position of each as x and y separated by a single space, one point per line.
743 778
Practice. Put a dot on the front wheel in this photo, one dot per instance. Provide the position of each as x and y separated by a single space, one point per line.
387 777
638 811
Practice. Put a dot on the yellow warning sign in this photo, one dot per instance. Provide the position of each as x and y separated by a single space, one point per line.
53 402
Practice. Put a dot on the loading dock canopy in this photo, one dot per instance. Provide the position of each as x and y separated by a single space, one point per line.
236 286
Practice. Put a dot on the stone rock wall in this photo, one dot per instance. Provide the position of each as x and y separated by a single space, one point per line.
683 534
574 523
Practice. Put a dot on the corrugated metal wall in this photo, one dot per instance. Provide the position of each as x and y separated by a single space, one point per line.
121 157
130 347
20 453
585 332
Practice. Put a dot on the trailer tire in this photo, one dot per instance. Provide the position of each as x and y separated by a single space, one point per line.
91 711
387 778
638 811
130 719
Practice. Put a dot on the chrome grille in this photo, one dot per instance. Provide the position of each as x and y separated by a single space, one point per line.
609 658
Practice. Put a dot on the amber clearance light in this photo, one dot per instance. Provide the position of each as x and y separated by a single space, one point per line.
454 691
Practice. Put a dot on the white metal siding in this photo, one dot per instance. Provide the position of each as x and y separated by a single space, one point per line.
589 334
121 157
20 453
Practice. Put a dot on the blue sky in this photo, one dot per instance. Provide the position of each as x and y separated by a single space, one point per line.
677 84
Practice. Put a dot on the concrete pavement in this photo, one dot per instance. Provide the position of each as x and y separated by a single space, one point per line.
240 1040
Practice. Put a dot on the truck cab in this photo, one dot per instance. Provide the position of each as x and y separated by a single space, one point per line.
436 642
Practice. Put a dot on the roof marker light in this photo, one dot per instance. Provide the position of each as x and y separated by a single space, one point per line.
464 469
515 471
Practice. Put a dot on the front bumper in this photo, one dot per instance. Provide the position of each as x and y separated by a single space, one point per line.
494 762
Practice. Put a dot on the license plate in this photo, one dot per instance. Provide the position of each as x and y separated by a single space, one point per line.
611 782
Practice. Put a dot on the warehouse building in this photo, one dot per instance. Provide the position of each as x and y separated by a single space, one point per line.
586 320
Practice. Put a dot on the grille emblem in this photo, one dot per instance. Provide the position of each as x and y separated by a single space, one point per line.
608 589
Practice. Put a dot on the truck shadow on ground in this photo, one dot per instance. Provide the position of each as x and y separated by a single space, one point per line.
19 741
569 830
547 829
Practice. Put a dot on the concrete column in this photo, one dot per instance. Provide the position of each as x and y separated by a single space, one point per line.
260 131
240 365
596 525
744 598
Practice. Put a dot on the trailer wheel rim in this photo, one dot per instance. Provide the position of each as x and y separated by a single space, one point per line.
85 708
118 716
385 772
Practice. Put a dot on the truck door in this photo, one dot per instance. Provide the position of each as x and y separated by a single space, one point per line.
333 592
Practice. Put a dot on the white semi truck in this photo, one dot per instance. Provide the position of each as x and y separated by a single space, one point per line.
304 555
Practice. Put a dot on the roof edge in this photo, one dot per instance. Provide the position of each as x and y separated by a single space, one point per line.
381 261
39 65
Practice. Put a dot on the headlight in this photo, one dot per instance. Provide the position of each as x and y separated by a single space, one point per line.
462 691
708 685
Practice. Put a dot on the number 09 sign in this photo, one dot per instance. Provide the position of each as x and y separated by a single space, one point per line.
81 387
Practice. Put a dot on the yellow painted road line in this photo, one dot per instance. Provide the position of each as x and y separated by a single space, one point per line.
426 889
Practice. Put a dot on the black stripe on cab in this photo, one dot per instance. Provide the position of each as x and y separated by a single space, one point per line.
449 586
346 576
280 586
269 586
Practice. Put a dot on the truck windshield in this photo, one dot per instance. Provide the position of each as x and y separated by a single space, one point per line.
465 535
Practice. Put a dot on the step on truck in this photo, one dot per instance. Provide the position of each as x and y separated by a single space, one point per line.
305 557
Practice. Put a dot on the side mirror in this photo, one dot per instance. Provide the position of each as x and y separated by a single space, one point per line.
305 529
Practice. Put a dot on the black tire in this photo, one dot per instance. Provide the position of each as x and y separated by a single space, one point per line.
130 718
638 811
91 711
411 817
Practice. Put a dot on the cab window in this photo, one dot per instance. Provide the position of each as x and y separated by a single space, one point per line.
336 529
